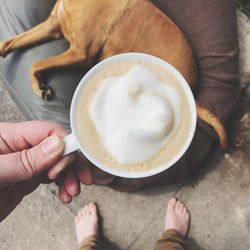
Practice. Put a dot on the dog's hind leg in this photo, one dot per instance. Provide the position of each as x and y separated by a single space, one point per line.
48 30
71 58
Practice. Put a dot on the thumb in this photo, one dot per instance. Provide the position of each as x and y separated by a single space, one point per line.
24 165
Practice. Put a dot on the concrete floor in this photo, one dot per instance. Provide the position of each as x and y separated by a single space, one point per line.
217 197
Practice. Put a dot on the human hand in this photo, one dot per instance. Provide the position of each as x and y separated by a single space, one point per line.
30 152
27 151
78 171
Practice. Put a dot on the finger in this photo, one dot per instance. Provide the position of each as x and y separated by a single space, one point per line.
71 183
15 137
24 165
55 171
63 195
83 171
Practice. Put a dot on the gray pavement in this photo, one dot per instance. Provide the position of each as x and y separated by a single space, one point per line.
217 197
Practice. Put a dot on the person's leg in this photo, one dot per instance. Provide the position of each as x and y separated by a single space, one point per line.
86 222
176 227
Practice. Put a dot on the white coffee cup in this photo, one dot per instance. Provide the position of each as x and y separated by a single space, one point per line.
72 141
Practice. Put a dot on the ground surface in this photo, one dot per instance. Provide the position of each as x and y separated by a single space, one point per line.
218 197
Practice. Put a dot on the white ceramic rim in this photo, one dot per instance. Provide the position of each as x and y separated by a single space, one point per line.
140 57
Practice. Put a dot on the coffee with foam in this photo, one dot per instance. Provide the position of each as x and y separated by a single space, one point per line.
133 115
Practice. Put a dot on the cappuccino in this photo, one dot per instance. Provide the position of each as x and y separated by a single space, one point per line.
133 116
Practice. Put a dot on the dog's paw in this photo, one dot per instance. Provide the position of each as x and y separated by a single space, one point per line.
48 94
3 50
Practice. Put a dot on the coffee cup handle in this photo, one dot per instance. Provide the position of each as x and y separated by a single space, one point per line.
70 144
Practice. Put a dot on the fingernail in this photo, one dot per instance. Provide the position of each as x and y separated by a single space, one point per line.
55 172
51 145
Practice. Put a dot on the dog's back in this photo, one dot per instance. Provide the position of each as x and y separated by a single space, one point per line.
128 26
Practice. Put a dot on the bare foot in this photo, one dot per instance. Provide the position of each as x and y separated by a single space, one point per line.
86 222
177 217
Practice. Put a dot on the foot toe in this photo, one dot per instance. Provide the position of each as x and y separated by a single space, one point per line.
84 210
84 213
92 207
186 216
88 210
182 208
171 203
178 205
80 214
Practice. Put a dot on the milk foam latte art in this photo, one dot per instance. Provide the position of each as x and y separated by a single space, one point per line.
133 116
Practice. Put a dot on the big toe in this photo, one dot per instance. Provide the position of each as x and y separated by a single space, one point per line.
92 208
171 204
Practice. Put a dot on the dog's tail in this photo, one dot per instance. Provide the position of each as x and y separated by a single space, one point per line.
208 117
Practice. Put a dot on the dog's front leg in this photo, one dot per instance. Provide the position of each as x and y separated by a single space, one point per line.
71 58
48 30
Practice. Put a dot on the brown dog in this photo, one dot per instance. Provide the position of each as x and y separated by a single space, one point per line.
98 29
